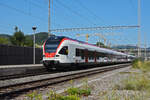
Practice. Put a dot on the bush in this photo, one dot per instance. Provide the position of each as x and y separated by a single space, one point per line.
72 91
4 40
85 92
142 65
51 96
136 63
77 91
69 97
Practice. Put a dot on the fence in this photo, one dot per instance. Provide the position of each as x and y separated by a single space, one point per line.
12 55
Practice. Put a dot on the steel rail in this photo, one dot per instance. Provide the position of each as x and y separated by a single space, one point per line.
7 77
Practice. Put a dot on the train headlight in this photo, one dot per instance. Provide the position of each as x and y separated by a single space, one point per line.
56 55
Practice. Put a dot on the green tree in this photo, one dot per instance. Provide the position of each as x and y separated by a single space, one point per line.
28 41
4 40
16 29
18 38
99 44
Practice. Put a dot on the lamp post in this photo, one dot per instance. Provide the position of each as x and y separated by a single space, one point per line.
34 29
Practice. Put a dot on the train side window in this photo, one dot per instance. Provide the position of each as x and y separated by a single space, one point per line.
82 54
93 55
77 52
96 55
64 50
82 57
97 58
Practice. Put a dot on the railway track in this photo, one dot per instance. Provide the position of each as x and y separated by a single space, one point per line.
7 77
22 75
16 89
33 73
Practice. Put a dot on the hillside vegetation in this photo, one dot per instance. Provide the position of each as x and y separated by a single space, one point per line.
40 38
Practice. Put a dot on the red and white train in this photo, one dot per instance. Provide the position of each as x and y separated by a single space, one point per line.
60 52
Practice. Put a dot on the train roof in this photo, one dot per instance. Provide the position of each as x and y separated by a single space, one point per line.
104 50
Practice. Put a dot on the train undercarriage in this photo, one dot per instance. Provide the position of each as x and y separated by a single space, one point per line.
55 65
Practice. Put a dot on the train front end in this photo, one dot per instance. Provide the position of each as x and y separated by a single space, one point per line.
50 47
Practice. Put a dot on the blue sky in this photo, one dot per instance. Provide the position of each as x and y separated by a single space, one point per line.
77 13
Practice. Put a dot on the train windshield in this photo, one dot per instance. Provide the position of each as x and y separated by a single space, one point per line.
52 44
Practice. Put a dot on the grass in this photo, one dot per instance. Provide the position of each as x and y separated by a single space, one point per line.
85 90
135 87
52 96
117 95
144 66
70 97
72 93
138 82
78 91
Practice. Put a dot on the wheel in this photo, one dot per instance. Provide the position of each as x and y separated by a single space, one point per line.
47 66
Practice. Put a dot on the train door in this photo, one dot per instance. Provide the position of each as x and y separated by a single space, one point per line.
64 54
71 53
86 55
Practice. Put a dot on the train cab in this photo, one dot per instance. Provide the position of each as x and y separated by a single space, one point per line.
50 49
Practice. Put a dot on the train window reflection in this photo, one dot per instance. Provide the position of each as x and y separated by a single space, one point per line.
64 50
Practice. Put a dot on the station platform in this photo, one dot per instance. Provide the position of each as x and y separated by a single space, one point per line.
20 69
18 66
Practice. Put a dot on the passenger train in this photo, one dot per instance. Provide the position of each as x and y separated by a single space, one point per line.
60 52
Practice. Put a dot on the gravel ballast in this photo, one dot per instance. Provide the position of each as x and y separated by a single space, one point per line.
99 83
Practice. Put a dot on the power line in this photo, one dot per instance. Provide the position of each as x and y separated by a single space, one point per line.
133 7
20 11
88 10
36 5
45 1
40 4
74 12
93 28
67 19
132 4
